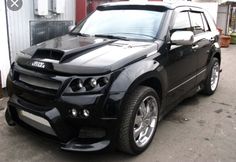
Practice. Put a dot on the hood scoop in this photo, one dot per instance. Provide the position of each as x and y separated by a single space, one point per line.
63 55
48 54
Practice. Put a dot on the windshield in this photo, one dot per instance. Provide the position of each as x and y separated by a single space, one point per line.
131 24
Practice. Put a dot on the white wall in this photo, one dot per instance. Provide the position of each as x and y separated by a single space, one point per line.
222 18
19 28
4 54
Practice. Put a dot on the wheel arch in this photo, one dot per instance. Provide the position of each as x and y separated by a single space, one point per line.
151 81
215 52
144 73
218 56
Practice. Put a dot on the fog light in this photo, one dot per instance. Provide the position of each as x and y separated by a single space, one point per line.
86 113
74 112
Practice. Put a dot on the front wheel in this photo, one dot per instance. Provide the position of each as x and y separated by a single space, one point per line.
213 77
139 120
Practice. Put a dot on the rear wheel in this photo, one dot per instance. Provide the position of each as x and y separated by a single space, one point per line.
139 120
213 77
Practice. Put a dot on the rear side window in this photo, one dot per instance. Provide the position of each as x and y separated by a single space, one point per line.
205 23
196 22
182 22
211 22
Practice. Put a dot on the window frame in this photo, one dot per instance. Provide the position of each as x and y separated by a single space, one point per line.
204 19
175 17
193 29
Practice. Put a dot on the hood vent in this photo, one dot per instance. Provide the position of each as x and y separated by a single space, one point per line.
48 54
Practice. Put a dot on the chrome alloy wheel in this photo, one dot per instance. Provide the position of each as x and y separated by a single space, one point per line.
215 76
145 121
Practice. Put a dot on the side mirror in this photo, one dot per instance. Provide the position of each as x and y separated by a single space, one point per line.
71 27
182 38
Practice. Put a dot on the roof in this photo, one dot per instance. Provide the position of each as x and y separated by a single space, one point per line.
151 3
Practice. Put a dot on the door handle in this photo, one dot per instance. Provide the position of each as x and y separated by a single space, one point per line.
195 47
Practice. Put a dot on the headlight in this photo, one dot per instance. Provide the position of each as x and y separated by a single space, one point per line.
93 83
76 85
103 81
88 84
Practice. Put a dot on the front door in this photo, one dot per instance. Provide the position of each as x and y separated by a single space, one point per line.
182 63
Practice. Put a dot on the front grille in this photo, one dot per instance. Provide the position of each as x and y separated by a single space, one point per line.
38 82
49 86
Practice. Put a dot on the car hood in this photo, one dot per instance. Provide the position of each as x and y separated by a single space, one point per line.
85 55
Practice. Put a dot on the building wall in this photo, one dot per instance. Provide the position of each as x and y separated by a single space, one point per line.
18 22
222 18
4 55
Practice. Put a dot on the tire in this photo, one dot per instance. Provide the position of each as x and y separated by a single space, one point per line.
209 87
133 120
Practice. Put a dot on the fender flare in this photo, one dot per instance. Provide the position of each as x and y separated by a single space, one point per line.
214 51
137 73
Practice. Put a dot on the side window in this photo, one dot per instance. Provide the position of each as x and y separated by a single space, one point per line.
196 22
206 25
182 22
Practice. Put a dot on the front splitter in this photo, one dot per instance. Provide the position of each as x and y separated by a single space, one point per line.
74 145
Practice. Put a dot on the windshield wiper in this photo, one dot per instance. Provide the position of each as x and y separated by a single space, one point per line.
81 34
138 34
111 37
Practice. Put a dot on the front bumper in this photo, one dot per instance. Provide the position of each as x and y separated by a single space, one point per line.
74 134
37 104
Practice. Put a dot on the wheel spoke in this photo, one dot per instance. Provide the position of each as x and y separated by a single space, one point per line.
143 133
215 76
148 110
138 120
153 121
138 131
142 109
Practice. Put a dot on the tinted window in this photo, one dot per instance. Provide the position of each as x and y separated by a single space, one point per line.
196 22
182 22
206 26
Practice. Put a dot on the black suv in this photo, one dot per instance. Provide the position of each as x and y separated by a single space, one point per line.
112 79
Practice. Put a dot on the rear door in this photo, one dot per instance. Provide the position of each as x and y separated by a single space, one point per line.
203 41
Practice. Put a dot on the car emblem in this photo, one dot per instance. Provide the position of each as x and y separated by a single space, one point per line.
38 64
